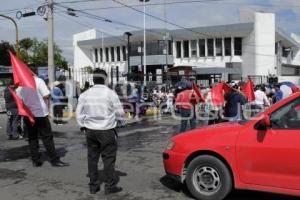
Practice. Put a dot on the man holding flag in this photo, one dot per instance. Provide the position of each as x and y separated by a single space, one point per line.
35 96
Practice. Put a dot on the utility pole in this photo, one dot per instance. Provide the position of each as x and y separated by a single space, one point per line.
51 67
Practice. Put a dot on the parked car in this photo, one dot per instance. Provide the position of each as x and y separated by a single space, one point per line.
259 154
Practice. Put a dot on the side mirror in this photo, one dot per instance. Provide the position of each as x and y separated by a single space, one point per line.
263 124
266 120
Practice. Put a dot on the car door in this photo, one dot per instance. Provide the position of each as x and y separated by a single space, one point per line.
272 157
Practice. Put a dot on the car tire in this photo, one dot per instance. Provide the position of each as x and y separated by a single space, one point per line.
208 178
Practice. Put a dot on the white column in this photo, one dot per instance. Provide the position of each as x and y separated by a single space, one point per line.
223 46
206 49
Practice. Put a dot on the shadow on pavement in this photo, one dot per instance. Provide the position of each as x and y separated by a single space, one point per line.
175 186
235 195
13 154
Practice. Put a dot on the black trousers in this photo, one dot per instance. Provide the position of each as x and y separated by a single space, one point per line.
102 142
58 113
41 127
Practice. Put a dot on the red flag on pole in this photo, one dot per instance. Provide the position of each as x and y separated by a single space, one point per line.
197 91
248 91
217 94
22 108
22 74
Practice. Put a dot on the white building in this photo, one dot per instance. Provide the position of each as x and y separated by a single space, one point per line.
258 49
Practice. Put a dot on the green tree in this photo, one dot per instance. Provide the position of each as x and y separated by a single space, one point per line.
35 52
4 55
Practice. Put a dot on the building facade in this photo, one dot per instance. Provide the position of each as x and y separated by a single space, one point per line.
227 52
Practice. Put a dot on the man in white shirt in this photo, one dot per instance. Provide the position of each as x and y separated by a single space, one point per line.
38 102
98 112
261 98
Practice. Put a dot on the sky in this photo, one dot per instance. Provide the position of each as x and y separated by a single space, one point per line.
186 13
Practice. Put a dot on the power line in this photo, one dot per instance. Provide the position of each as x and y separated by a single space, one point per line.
160 19
96 17
87 25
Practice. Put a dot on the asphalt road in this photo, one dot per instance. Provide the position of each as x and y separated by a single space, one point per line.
139 167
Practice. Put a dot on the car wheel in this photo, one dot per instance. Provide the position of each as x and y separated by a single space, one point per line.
208 178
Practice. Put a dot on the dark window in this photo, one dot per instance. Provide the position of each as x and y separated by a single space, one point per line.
101 55
227 44
238 46
170 48
219 47
161 47
194 48
178 49
112 54
285 52
186 52
107 54
96 55
118 54
124 53
210 47
135 49
287 117
202 47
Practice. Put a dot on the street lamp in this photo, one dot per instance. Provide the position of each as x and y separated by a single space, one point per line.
128 55
17 34
145 64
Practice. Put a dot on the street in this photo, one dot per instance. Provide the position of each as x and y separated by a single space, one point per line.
139 167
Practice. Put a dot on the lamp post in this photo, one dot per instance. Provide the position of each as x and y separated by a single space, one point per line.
144 63
128 55
17 33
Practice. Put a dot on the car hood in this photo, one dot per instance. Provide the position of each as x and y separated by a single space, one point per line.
211 131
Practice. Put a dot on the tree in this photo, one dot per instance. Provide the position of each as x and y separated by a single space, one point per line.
4 55
35 52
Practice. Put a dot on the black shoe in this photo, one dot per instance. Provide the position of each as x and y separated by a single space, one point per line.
94 190
112 190
37 163
59 163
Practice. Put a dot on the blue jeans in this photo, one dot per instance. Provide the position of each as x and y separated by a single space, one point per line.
187 115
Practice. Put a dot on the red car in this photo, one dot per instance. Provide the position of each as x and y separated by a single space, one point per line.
262 154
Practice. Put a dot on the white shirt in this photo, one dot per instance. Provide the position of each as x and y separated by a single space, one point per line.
99 108
261 98
34 99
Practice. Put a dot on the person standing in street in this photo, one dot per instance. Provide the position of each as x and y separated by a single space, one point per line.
98 112
185 101
38 103
13 128
234 104
278 96
57 104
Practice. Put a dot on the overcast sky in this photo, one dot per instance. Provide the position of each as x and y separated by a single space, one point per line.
188 14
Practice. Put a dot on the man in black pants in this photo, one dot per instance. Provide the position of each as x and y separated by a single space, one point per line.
98 112
38 103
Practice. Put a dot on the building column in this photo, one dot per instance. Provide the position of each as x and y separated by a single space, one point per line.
223 47
206 49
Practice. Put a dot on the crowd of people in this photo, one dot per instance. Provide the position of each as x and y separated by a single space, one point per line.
101 110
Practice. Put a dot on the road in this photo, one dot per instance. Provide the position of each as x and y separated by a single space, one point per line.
139 167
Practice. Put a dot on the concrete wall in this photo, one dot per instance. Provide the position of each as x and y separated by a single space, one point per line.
82 57
264 31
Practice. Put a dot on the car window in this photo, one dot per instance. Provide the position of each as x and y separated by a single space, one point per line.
287 117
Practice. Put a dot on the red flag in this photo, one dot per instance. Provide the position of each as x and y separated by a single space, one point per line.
249 91
295 89
217 94
22 74
197 91
22 108
227 88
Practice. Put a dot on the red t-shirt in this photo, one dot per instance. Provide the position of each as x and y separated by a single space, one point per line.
184 99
